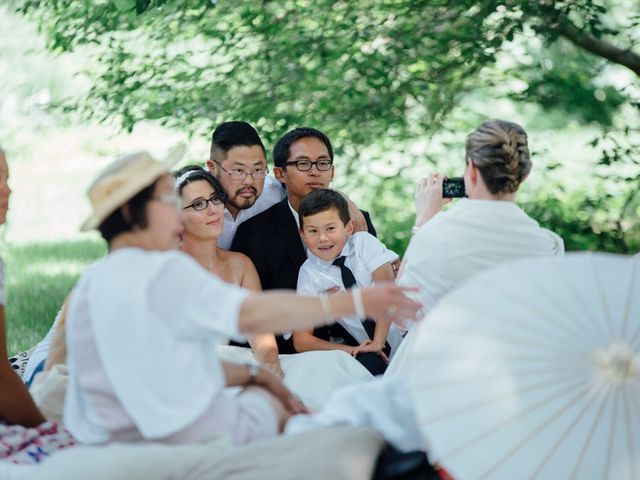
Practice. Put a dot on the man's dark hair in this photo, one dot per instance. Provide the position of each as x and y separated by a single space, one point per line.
321 201
282 149
116 223
233 134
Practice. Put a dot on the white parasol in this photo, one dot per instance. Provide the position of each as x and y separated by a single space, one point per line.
532 370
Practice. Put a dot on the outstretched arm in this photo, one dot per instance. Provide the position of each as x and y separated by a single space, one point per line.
280 310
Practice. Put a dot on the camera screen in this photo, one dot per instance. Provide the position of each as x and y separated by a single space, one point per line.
453 188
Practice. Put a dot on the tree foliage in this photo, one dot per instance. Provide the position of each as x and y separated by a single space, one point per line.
362 70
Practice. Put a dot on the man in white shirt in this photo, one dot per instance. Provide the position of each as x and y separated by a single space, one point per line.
238 160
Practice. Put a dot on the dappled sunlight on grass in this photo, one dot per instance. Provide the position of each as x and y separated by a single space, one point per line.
53 269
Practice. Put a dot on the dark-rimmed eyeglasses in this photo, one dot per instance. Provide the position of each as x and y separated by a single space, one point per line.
202 204
305 165
241 173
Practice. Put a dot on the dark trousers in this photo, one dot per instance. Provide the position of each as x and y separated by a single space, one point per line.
369 360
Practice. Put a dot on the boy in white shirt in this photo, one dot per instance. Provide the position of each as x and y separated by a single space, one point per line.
339 259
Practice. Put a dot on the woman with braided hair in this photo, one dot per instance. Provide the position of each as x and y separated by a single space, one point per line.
476 234
481 231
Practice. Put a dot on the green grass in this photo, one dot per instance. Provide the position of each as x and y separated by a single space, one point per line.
38 276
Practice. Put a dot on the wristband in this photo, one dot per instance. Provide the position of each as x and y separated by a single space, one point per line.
326 308
358 306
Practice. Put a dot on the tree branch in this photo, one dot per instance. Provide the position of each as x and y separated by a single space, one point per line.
600 47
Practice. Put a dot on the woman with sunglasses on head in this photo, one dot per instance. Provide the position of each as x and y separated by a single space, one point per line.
203 200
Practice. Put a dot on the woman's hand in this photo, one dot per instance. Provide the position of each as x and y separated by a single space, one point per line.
428 198
390 302
270 382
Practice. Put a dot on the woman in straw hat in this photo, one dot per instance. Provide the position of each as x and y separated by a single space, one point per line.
148 302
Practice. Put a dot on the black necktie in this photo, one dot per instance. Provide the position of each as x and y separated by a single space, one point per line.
348 280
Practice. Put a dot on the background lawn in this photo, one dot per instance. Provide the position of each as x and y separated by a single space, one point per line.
38 276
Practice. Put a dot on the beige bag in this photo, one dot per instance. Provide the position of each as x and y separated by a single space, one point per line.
48 390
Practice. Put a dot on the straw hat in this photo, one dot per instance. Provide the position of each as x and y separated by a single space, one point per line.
123 179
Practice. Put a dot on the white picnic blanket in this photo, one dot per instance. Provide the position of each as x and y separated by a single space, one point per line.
341 453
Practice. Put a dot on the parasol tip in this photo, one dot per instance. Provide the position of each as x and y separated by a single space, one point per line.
618 363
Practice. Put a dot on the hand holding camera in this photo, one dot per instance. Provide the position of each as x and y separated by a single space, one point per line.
433 192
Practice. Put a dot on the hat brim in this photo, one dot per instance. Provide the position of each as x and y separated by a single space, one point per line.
150 175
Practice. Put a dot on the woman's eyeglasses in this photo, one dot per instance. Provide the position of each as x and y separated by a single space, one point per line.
199 205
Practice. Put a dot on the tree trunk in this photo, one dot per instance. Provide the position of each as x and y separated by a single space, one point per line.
600 47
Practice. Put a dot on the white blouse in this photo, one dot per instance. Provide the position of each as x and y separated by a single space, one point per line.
141 332
471 237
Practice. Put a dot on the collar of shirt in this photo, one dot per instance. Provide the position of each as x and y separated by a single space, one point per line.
271 194
347 251
296 217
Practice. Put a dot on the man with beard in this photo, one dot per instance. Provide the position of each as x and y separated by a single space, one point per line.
238 160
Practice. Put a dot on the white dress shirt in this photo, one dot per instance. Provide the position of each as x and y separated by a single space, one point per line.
271 194
364 254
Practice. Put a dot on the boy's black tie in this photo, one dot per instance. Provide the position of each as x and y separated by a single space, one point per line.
370 360
348 280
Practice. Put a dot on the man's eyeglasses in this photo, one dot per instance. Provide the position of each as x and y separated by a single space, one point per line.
241 173
305 165
199 205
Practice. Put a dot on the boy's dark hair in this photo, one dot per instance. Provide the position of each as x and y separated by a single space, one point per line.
282 149
194 173
233 134
116 223
321 201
